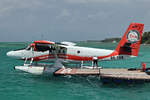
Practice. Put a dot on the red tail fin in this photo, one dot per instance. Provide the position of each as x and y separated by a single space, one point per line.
130 42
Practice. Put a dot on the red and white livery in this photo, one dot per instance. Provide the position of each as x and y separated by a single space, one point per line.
67 52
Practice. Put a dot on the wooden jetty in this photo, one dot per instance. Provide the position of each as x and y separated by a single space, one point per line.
75 71
107 73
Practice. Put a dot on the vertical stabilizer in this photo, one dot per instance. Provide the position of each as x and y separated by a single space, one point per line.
130 42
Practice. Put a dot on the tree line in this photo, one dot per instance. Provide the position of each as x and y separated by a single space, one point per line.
146 38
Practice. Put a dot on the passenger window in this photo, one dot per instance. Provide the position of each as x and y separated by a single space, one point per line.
78 52
64 51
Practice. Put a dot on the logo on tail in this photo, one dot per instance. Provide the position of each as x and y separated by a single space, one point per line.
133 36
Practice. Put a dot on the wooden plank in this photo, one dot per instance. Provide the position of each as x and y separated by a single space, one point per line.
124 74
87 71
69 71
59 71
73 71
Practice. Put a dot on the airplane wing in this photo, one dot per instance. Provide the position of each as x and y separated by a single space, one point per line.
68 43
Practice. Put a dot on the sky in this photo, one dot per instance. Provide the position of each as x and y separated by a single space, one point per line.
69 20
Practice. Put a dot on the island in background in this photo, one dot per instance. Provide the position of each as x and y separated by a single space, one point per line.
145 39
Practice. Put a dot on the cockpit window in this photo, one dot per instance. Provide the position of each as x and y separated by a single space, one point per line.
28 48
42 47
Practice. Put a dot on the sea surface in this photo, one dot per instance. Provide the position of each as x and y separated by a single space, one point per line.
16 85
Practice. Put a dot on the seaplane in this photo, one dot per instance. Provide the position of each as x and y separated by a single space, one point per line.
68 52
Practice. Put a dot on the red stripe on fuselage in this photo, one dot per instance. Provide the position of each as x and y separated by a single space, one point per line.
70 57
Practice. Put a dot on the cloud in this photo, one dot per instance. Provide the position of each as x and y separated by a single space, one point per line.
68 19
96 1
4 11
7 6
101 15
64 13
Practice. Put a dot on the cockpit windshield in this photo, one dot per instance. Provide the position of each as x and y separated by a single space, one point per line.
41 47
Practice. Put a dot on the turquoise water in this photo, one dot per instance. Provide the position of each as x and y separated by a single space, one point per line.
15 85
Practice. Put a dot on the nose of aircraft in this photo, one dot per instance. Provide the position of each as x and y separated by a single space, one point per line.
15 54
10 54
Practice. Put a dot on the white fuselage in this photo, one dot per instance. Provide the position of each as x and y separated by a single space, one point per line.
71 53
87 52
